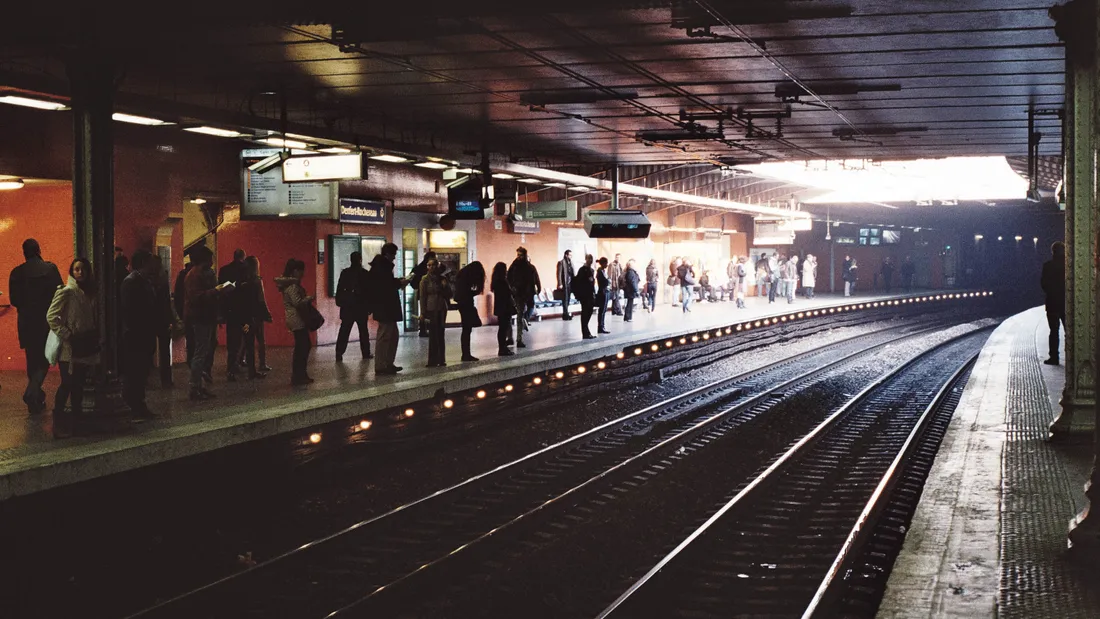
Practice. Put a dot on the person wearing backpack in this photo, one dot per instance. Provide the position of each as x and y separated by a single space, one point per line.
583 288
687 281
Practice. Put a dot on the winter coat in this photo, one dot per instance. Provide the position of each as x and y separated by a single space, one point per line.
809 274
294 297
584 284
615 274
686 275
142 315
384 291
790 271
652 275
503 305
631 280
523 277
1053 281
200 304
467 286
179 291
850 271
602 283
234 301
435 293
73 311
32 286
565 273
352 294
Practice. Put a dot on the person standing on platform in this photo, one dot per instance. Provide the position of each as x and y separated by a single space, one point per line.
673 282
503 308
231 312
250 291
32 286
739 283
809 275
686 275
386 292
584 288
564 282
615 274
418 273
1053 282
179 294
74 317
652 276
142 322
469 283
202 294
773 276
169 321
850 274
908 270
524 281
887 273
353 299
261 313
295 303
435 294
762 276
790 275
631 287
603 286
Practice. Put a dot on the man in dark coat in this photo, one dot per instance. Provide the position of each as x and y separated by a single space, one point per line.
908 270
32 286
584 289
524 280
603 284
565 282
385 289
142 321
178 295
352 296
418 273
233 310
1054 285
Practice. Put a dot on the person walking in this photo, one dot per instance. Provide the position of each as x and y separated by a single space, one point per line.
142 321
849 275
435 294
908 270
603 286
232 305
887 273
524 282
686 275
615 275
32 286
809 275
564 283
1053 282
503 308
469 283
790 276
418 273
202 294
652 276
295 303
631 287
353 299
73 316
386 291
584 288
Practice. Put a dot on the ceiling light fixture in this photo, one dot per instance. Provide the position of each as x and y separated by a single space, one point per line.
503 175
284 143
390 158
530 181
432 165
557 185
10 184
214 131
139 120
334 150
37 104
198 200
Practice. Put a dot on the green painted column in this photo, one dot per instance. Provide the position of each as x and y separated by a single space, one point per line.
1076 25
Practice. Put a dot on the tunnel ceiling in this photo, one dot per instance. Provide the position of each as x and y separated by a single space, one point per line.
593 83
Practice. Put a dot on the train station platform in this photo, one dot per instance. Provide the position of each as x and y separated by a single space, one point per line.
989 535
32 461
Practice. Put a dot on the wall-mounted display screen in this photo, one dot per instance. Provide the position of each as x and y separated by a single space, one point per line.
864 231
891 237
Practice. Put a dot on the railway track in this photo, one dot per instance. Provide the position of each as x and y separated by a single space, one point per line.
349 572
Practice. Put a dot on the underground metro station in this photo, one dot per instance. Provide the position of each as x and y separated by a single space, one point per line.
712 308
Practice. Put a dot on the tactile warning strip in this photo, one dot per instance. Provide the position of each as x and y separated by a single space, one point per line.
1037 579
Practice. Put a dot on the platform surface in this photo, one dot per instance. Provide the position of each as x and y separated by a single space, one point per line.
31 460
989 535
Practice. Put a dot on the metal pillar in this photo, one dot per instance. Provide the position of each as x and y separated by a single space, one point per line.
615 188
1077 420
92 83
1077 24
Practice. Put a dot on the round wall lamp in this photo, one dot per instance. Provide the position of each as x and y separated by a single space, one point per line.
9 184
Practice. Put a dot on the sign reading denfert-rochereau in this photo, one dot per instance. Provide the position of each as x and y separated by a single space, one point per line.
355 211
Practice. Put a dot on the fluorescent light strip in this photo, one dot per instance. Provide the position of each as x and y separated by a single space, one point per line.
334 150
530 181
37 104
139 120
503 175
432 165
10 184
214 131
283 143
389 158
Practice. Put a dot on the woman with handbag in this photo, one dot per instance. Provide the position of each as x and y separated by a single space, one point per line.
73 318
298 306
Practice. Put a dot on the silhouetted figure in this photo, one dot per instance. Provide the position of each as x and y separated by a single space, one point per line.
469 283
435 296
1054 285
503 308
142 321
353 298
32 286
232 310
584 288
908 270
565 282
386 292
887 273
603 286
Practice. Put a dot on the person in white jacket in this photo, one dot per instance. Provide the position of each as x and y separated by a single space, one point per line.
73 318
809 275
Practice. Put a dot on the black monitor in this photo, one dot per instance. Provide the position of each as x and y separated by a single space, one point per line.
466 201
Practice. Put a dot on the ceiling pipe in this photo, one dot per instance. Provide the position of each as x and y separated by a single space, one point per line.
658 194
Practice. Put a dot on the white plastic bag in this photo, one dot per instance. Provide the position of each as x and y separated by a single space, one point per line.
53 348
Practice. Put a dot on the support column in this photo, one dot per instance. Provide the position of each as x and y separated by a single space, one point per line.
1076 25
92 83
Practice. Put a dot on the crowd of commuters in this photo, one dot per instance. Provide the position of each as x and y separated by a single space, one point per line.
61 319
